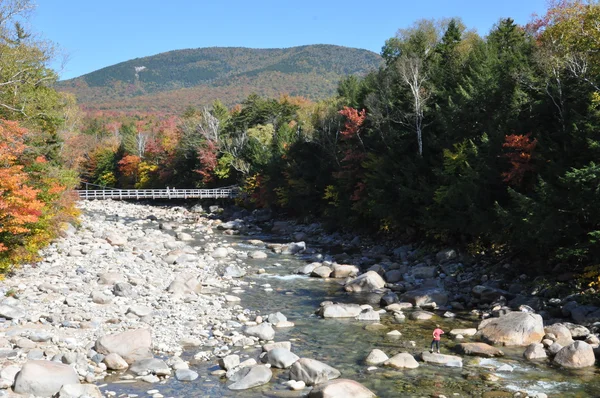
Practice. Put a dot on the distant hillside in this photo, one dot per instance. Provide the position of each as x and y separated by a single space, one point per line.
171 81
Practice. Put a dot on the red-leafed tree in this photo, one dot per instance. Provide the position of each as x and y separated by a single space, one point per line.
520 156
207 156
353 153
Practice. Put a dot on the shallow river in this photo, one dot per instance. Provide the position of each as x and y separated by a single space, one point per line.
344 344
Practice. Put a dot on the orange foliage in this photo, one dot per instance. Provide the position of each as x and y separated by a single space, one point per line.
128 166
19 205
520 157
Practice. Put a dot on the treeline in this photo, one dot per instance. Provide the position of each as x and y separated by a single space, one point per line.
488 142
34 183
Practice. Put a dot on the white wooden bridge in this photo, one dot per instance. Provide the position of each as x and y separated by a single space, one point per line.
168 193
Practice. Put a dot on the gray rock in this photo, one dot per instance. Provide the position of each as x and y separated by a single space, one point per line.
341 388
577 355
44 378
446 255
422 297
79 391
234 271
421 315
281 358
101 298
9 373
257 255
344 271
229 362
423 272
276 317
280 344
321 271
312 372
150 365
402 361
116 239
123 289
393 276
115 362
110 278
561 332
11 312
264 331
307 269
340 311
132 345
554 348
256 376
441 359
479 349
577 331
367 282
535 351
368 314
139 310
376 357
185 375
388 299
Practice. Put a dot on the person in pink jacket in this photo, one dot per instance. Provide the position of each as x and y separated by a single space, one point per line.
437 333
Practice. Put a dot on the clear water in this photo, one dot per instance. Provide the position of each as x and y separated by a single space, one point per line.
344 344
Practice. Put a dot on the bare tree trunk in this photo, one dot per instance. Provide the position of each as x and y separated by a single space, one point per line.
411 71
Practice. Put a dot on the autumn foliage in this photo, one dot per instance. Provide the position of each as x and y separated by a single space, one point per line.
520 155
33 197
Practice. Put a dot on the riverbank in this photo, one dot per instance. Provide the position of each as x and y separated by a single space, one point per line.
146 294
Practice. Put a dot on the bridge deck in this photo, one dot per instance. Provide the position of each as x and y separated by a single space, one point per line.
171 193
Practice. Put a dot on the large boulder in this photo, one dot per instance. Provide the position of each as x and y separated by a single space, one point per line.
340 311
341 388
367 282
577 355
421 297
256 376
281 358
402 361
479 349
44 378
562 333
513 329
264 331
312 372
131 345
79 391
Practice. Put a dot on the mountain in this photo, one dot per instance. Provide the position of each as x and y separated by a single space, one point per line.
171 81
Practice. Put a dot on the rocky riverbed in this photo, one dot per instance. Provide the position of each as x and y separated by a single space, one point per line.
138 298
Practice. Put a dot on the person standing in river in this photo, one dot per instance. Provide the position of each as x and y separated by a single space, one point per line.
437 333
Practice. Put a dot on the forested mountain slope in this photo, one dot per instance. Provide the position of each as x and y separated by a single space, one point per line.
171 81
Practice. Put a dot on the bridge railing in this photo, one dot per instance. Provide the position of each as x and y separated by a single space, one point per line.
169 193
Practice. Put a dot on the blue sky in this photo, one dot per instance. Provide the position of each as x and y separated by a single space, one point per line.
95 34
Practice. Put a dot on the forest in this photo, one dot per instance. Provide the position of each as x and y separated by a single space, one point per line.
488 143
